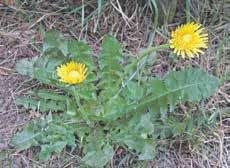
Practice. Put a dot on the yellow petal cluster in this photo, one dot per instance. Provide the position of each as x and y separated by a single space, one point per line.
72 72
188 40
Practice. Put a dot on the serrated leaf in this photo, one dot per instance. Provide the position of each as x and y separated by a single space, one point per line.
49 117
45 67
42 75
194 84
45 153
50 60
49 132
59 146
177 127
55 128
25 66
82 53
114 108
145 124
54 40
70 139
111 69
93 109
147 152
99 158
25 139
48 94
132 139
180 86
71 107
42 104
28 103
110 53
87 92
136 92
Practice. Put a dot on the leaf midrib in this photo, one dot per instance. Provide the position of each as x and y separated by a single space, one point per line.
166 93
27 139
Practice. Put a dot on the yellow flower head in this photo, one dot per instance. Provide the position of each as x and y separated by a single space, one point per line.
72 72
188 40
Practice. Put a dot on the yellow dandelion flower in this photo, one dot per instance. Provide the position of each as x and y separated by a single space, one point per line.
188 40
72 72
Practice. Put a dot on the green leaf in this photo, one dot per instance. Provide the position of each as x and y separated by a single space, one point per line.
41 104
70 139
99 158
109 90
49 117
25 139
49 132
145 124
28 103
49 94
114 108
136 92
52 63
212 119
25 66
45 67
4 155
111 69
190 124
71 107
110 53
87 91
177 127
193 84
54 40
186 85
45 153
59 146
148 152
81 52
157 88
50 60
93 109
42 75
144 147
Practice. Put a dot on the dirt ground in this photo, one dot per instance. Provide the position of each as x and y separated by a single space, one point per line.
13 46
20 37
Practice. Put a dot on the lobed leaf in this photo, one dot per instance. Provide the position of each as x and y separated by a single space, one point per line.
51 134
100 157
54 40
25 139
111 69
186 85
136 91
41 104
48 94
81 52
25 66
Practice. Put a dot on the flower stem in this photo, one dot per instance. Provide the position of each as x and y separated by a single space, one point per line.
134 63
77 99
145 54
150 50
